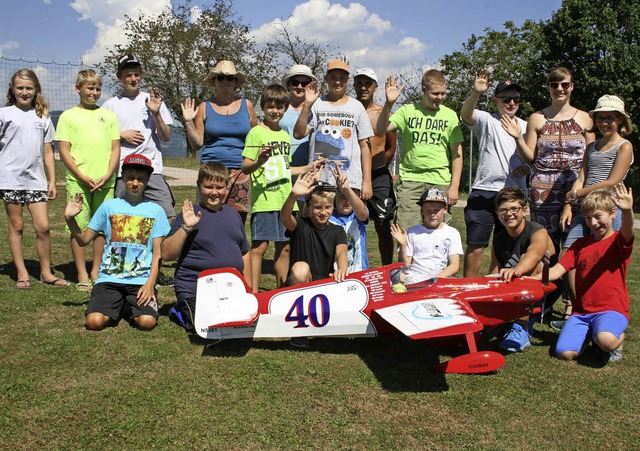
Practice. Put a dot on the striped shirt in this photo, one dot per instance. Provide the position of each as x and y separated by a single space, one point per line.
601 163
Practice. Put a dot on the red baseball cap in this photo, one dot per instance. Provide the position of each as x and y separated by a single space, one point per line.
139 161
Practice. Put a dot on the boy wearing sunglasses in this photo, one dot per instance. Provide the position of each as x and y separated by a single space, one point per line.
517 251
499 164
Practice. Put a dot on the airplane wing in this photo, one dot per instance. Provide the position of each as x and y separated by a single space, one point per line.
431 318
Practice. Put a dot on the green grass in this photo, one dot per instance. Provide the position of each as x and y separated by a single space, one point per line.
62 387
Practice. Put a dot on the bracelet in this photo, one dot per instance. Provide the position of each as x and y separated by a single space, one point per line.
186 229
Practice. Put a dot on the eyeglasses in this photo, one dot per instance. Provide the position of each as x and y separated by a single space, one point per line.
512 210
606 119
296 83
564 84
508 99
221 77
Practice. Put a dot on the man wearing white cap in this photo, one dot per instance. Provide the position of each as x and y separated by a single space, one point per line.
382 204
339 129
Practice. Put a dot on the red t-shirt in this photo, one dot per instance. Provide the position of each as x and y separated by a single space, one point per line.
601 272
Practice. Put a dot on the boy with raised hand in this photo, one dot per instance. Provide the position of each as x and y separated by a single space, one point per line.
352 215
340 129
316 244
601 310
517 251
431 144
499 164
89 142
433 248
144 122
134 229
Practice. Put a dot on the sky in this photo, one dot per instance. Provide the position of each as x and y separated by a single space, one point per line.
387 35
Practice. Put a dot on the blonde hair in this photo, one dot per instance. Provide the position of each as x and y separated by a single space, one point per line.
599 199
213 171
88 76
39 102
322 195
433 77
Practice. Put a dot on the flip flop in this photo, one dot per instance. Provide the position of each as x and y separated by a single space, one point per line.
82 286
56 283
23 284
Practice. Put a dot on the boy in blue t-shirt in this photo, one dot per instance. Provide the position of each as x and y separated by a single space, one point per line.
134 229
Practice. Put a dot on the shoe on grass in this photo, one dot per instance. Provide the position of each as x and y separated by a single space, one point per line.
557 324
163 280
615 356
515 340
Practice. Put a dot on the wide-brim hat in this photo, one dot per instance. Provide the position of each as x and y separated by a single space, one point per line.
610 102
433 195
298 69
224 67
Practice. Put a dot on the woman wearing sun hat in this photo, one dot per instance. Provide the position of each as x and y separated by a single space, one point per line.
220 126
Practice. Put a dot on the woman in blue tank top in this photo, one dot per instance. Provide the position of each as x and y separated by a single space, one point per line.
219 126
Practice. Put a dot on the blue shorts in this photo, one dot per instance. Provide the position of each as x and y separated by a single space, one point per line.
267 226
580 328
481 218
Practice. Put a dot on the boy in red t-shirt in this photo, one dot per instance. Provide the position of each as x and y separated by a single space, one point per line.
601 310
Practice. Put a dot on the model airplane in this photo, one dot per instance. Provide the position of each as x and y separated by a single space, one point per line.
365 305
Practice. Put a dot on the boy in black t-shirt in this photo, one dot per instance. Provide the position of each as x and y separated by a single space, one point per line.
315 243
517 251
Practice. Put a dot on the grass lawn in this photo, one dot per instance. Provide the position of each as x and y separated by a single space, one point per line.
62 387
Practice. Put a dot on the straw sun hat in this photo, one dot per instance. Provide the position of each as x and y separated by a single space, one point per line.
612 103
224 67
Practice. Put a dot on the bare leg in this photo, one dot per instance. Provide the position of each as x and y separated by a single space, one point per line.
281 262
79 259
98 249
96 321
16 230
608 342
258 248
145 322
40 218
473 260
300 273
385 241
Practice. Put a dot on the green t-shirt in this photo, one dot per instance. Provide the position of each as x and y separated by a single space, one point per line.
90 133
271 183
426 137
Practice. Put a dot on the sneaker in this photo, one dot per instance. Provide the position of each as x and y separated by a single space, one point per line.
557 324
299 342
164 281
615 356
516 340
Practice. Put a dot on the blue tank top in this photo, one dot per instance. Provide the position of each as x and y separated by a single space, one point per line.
224 136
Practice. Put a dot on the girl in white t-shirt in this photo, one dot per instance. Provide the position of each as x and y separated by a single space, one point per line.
26 150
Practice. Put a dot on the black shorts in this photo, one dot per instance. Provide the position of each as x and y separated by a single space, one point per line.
108 298
382 205
481 218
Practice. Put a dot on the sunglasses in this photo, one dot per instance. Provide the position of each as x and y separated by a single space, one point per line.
296 83
606 119
508 99
221 77
564 84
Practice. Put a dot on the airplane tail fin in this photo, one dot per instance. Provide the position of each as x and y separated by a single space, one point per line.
223 299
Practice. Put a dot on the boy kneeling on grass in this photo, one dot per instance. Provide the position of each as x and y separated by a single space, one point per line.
134 229
601 310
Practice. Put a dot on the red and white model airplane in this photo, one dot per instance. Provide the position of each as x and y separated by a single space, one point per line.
364 305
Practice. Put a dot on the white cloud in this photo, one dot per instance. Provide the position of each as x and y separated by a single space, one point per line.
8 45
366 38
108 17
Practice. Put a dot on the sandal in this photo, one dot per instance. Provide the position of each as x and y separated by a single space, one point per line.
23 284
567 311
84 286
56 283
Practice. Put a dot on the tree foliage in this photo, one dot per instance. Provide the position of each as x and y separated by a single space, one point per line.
179 46
291 49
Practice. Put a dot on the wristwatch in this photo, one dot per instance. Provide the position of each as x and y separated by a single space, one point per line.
186 229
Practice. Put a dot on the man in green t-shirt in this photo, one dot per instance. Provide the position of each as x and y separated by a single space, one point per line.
431 152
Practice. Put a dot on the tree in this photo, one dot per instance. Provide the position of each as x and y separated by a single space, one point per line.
292 49
179 46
